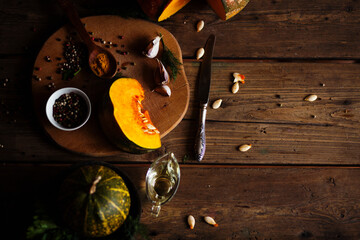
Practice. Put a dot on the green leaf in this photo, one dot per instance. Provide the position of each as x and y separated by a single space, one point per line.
69 74
169 60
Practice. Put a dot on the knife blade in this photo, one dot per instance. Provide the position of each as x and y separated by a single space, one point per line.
203 96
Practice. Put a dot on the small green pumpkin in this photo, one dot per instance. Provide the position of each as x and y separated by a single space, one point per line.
94 200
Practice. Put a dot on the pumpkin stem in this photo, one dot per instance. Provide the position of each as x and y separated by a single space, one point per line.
93 187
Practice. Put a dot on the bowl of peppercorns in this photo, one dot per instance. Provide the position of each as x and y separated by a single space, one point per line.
68 109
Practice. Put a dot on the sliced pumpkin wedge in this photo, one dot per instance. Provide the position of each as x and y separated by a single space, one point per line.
226 9
126 95
171 8
124 119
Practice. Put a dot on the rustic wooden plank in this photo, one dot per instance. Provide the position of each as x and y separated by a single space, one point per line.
247 203
264 29
267 85
271 143
280 135
274 29
273 83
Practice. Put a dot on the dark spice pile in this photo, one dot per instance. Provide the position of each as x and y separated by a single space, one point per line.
75 56
70 110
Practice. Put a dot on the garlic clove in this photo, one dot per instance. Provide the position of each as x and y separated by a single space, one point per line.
191 221
217 104
235 87
163 90
152 49
310 98
210 221
244 147
161 75
200 53
200 25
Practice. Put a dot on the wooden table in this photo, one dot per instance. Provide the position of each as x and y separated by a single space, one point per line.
301 178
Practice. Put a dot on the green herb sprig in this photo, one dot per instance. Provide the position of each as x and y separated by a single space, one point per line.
169 60
45 228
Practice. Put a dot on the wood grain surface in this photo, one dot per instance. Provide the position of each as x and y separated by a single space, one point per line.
280 135
132 38
265 203
300 178
264 29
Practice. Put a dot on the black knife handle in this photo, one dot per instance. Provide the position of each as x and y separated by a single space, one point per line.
200 140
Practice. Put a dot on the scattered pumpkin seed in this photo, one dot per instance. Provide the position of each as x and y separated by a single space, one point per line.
235 87
310 98
217 104
150 126
191 221
200 53
238 78
244 147
200 25
210 221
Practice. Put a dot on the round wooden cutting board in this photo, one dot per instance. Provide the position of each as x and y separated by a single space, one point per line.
130 35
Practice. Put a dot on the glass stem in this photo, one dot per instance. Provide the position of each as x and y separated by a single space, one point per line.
155 209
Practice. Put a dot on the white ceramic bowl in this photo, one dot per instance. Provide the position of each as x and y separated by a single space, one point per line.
56 95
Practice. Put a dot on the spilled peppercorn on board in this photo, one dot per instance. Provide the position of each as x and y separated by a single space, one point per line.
61 63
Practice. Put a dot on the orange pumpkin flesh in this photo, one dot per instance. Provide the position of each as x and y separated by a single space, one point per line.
161 9
226 9
126 95
124 120
171 8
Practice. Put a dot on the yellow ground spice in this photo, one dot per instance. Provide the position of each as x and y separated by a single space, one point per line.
101 64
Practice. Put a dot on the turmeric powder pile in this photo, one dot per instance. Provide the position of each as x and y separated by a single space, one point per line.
101 64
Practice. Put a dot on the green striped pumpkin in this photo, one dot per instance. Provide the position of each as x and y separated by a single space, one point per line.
95 200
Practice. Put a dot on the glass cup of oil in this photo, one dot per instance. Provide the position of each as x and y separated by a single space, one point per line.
162 181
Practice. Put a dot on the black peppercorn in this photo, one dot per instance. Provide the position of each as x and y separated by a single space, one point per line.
70 110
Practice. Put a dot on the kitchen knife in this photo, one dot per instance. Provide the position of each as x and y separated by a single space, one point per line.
203 96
